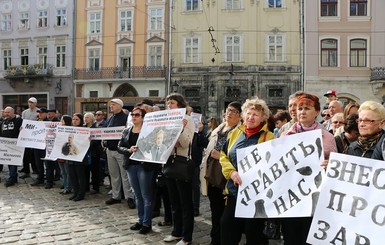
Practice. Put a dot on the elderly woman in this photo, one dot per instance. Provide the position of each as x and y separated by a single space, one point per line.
371 121
181 191
338 122
348 135
214 192
252 132
295 230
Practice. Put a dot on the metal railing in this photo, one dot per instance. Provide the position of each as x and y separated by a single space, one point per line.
377 73
29 71
120 72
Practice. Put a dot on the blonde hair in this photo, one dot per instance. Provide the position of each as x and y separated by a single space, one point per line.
257 104
373 106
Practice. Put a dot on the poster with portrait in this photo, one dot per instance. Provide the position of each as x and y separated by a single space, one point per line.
351 207
71 143
158 136
50 137
197 117
10 153
281 177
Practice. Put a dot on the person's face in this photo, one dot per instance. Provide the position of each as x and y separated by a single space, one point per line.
88 119
8 113
293 108
352 136
334 108
369 123
306 114
51 115
31 105
331 97
70 138
99 115
76 121
253 118
280 123
137 117
232 116
353 110
337 122
159 139
172 104
42 115
115 107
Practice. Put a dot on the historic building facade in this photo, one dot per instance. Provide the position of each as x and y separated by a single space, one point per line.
36 53
233 50
121 51
345 48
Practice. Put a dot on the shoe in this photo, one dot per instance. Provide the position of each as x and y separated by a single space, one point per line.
37 183
93 192
65 192
145 229
21 170
136 227
8 184
182 242
131 203
164 223
73 197
112 201
24 176
48 186
78 198
171 238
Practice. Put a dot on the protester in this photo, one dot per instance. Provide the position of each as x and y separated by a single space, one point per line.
215 194
77 170
350 109
280 119
337 122
140 176
10 128
181 191
115 160
63 164
295 230
292 107
348 135
371 121
335 107
99 119
330 96
212 124
252 132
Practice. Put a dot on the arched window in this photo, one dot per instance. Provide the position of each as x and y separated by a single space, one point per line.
125 90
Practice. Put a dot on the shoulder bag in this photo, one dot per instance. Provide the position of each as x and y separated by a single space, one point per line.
179 167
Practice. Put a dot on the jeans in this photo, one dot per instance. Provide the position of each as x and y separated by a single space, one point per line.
12 174
141 182
66 177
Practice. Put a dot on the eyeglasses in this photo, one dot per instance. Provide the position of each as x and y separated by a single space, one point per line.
366 121
338 122
136 114
231 111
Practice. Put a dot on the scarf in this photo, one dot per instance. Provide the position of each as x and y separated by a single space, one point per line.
252 131
365 143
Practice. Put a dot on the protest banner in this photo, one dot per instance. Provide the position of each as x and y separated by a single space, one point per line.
281 177
50 137
71 143
10 153
32 134
197 117
158 136
111 133
351 206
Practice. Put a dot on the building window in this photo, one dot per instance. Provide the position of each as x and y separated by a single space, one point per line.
61 17
192 5
233 48
60 56
24 21
6 22
275 92
358 51
191 50
358 7
125 20
42 54
275 47
192 93
155 56
233 4
124 57
156 19
153 93
24 56
42 19
93 94
275 3
94 23
329 53
7 58
94 59
329 7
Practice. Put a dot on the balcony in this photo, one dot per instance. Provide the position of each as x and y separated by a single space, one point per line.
29 71
120 73
377 73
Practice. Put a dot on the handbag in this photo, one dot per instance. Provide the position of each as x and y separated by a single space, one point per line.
179 167
214 173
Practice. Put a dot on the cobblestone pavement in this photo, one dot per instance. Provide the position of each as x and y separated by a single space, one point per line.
34 215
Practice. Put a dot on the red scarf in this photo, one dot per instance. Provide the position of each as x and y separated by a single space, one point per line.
252 131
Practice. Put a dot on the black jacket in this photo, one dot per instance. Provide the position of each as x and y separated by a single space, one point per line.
116 120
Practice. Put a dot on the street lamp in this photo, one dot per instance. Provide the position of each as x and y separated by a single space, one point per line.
175 87
58 87
252 88
212 89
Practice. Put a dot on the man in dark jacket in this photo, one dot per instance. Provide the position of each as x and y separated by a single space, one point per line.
10 128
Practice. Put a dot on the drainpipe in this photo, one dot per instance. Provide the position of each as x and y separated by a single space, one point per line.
169 49
72 94
302 45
